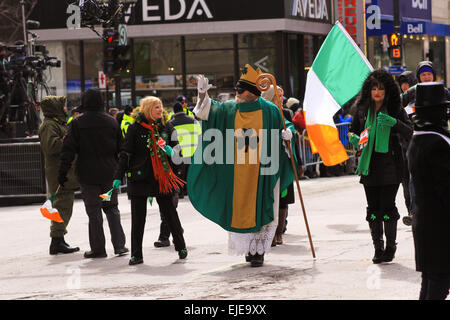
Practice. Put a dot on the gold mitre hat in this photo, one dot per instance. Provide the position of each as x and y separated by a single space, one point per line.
248 79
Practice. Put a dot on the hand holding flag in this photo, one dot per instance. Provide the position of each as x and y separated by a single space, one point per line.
48 211
107 196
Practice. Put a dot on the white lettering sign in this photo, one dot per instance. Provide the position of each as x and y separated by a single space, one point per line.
313 9
150 12
415 29
420 4
373 17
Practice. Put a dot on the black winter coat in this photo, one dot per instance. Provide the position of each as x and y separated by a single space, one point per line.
429 164
386 168
96 137
135 161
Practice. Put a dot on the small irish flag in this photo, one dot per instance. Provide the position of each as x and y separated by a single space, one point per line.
49 212
107 196
364 137
336 76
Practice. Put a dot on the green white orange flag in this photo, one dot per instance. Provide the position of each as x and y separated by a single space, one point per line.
106 196
335 77
49 212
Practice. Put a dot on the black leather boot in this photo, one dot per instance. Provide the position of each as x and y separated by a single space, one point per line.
376 231
257 260
390 230
58 245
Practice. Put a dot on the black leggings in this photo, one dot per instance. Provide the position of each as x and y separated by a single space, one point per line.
381 202
138 217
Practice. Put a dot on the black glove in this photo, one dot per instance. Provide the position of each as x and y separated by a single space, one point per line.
62 180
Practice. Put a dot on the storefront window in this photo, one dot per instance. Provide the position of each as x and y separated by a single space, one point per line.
93 62
378 47
213 57
73 74
258 50
158 68
437 56
413 51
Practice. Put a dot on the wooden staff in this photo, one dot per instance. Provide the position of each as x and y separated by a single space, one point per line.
263 84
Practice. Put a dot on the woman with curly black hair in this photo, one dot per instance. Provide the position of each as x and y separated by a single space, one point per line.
378 123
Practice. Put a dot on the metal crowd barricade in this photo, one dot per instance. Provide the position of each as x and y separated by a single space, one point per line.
22 170
311 159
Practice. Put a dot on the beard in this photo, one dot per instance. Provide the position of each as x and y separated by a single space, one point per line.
239 100
250 98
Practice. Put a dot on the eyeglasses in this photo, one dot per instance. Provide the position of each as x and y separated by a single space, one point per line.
239 90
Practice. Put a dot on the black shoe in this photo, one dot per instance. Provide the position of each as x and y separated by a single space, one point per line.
248 258
122 251
407 220
389 254
92 254
257 260
133 261
58 245
378 257
182 254
162 243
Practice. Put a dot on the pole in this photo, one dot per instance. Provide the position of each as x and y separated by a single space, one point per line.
263 84
397 26
24 23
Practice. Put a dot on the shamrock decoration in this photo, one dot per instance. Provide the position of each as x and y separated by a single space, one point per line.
244 70
247 138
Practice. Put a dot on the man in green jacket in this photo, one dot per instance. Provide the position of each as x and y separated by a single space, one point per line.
51 134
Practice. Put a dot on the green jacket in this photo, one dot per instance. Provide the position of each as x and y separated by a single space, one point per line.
51 135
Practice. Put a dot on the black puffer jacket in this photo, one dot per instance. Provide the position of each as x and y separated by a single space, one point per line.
96 137
135 161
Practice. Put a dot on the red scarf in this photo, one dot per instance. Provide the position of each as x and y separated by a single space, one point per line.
167 180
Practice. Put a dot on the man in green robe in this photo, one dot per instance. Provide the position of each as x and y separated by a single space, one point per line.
237 173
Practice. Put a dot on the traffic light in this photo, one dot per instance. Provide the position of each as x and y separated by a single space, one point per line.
113 53
395 46
111 41
120 63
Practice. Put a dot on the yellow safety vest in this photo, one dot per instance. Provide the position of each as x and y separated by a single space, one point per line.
126 121
188 135
188 112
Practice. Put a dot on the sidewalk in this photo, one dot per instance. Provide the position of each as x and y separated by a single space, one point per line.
342 270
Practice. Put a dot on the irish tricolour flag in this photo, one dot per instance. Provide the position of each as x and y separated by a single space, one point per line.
336 76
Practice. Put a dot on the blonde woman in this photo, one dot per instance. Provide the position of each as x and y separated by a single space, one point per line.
145 160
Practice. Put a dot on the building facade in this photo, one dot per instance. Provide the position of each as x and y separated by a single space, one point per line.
173 40
425 33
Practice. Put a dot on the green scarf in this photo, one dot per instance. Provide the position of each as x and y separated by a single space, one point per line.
378 137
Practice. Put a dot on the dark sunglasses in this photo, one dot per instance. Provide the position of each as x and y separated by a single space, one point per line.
239 90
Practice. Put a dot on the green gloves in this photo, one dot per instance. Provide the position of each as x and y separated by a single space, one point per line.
168 150
116 184
354 140
386 120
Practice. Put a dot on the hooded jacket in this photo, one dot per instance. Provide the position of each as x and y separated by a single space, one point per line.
409 97
51 135
95 137
408 77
